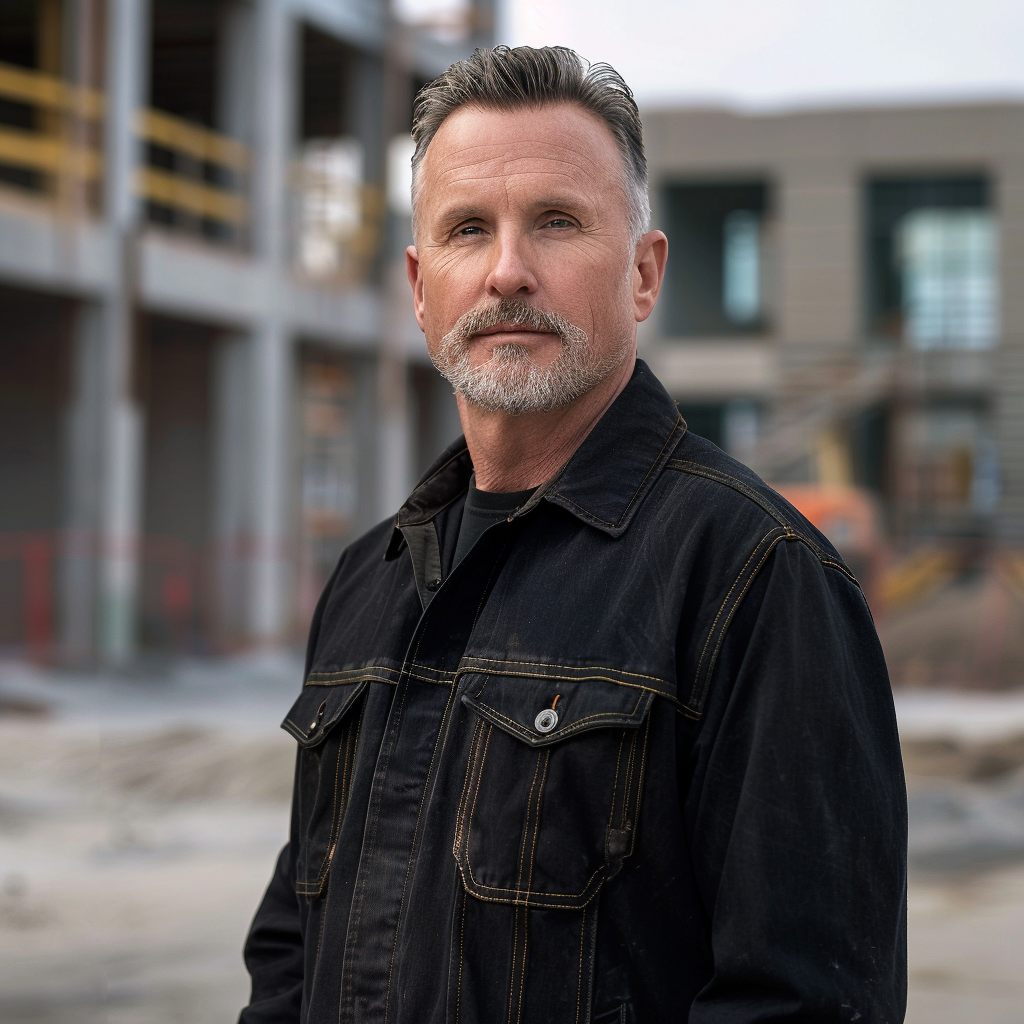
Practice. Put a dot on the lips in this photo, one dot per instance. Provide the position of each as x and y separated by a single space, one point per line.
510 329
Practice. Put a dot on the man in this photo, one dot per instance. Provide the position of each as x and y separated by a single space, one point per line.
598 727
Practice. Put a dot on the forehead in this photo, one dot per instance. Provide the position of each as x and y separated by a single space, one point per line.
552 145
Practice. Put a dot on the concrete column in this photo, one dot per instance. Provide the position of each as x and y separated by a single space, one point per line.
270 344
232 457
77 581
272 548
1009 359
121 449
817 284
237 72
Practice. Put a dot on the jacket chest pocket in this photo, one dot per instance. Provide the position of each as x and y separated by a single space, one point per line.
325 722
552 788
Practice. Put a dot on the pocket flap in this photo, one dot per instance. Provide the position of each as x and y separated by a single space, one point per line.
540 711
318 709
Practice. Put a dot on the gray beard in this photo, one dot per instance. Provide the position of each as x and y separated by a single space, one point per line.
510 381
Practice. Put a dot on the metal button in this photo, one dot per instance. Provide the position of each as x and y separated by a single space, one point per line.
315 724
546 720
433 584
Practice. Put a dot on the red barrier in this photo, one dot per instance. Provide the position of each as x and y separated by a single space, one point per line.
181 587
38 559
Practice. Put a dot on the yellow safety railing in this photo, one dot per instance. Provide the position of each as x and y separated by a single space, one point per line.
916 576
185 137
51 152
46 91
61 148
188 192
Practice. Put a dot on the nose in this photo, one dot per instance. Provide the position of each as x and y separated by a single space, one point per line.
512 272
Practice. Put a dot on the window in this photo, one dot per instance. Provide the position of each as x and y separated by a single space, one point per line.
741 266
946 260
933 276
717 270
335 219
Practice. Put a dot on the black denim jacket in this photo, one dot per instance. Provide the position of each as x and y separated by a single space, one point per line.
634 759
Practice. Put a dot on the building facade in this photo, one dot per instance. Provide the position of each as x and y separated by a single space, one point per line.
207 378
844 303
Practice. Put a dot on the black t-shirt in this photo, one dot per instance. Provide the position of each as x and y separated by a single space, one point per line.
484 509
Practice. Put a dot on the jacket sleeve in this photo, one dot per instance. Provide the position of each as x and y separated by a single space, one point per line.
274 952
796 808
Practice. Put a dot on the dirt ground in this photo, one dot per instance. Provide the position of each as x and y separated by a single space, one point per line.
139 820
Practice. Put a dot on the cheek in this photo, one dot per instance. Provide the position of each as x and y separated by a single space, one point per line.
450 288
610 302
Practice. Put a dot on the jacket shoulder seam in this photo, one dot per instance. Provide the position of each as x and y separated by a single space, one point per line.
727 480
727 610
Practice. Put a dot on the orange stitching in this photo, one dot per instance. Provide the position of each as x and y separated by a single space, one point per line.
579 979
391 675
725 600
314 888
462 946
615 786
532 898
537 902
536 827
640 789
565 668
628 788
526 823
522 970
334 811
477 779
569 730
370 839
737 602
354 675
441 740
515 953
523 892
474 752
574 679
718 477
671 434
590 515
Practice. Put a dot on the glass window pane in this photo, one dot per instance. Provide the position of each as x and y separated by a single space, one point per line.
741 266
947 265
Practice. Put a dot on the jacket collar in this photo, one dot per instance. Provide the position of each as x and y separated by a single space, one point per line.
605 480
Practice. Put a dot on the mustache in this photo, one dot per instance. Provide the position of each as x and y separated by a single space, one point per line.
510 310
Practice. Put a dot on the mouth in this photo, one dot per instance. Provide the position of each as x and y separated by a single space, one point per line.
510 328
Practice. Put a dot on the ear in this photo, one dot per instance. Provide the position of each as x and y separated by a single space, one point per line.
412 269
648 272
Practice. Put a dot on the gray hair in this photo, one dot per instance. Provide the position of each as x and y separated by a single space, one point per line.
511 78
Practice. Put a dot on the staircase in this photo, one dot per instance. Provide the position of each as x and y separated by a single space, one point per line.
821 388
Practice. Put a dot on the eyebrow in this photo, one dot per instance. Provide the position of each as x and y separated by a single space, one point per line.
467 212
457 213
558 203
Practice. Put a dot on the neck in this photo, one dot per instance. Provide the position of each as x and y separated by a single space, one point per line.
514 453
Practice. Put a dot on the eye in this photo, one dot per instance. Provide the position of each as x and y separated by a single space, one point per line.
470 229
560 222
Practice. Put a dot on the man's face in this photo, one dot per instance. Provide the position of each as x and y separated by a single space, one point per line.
523 269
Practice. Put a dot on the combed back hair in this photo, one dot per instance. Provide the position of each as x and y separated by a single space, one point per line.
511 78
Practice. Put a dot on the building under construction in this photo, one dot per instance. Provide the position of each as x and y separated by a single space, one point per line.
843 311
209 373
200 369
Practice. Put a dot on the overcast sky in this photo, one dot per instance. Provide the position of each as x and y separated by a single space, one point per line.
771 53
